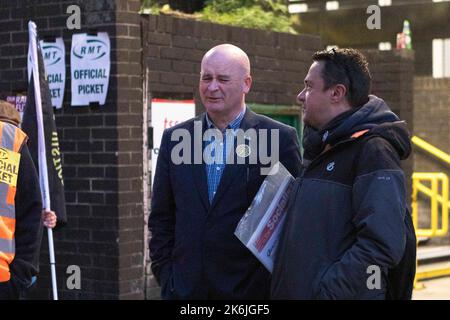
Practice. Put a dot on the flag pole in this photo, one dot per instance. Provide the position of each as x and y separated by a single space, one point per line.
43 174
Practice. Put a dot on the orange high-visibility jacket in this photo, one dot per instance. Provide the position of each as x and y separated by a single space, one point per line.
12 140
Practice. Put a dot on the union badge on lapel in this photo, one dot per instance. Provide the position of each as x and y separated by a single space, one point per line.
243 150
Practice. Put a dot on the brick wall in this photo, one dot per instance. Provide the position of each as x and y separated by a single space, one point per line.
432 120
173 49
392 73
432 124
101 147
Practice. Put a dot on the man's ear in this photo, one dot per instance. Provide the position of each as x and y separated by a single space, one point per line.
247 84
338 93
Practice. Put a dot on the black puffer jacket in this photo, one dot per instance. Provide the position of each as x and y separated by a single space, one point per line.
346 219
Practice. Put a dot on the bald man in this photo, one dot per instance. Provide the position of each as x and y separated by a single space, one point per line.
209 170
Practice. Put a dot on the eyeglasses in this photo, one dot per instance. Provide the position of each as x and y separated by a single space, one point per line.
335 58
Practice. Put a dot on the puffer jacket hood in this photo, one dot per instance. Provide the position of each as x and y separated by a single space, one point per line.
398 136
375 116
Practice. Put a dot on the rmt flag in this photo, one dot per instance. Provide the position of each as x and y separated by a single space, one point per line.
30 126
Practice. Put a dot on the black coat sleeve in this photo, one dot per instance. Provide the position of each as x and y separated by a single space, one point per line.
162 216
28 234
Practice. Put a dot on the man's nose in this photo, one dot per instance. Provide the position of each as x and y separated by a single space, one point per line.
301 96
213 85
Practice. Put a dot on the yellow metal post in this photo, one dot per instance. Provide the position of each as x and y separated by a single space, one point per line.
436 216
436 199
434 207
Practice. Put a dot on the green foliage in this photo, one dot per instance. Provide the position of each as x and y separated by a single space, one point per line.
150 7
224 6
258 14
153 8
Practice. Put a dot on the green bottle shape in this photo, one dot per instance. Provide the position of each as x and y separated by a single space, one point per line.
407 32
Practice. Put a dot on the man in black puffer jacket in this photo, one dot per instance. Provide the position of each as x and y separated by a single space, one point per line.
348 233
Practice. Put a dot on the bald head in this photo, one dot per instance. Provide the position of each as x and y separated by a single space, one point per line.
229 54
224 81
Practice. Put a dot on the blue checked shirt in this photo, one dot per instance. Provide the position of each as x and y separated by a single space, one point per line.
217 152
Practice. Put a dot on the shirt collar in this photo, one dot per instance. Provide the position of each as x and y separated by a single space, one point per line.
232 125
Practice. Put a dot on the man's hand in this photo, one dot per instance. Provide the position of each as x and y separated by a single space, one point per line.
49 219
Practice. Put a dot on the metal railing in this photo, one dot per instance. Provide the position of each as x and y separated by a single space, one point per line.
431 149
437 198
432 192
437 192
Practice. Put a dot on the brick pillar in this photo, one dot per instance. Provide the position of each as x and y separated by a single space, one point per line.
130 149
101 147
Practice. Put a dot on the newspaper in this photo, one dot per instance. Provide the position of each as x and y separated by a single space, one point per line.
260 227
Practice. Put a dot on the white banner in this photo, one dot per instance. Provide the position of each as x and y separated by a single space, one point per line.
54 54
166 114
90 65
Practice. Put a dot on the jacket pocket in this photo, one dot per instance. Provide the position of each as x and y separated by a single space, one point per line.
319 292
168 288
